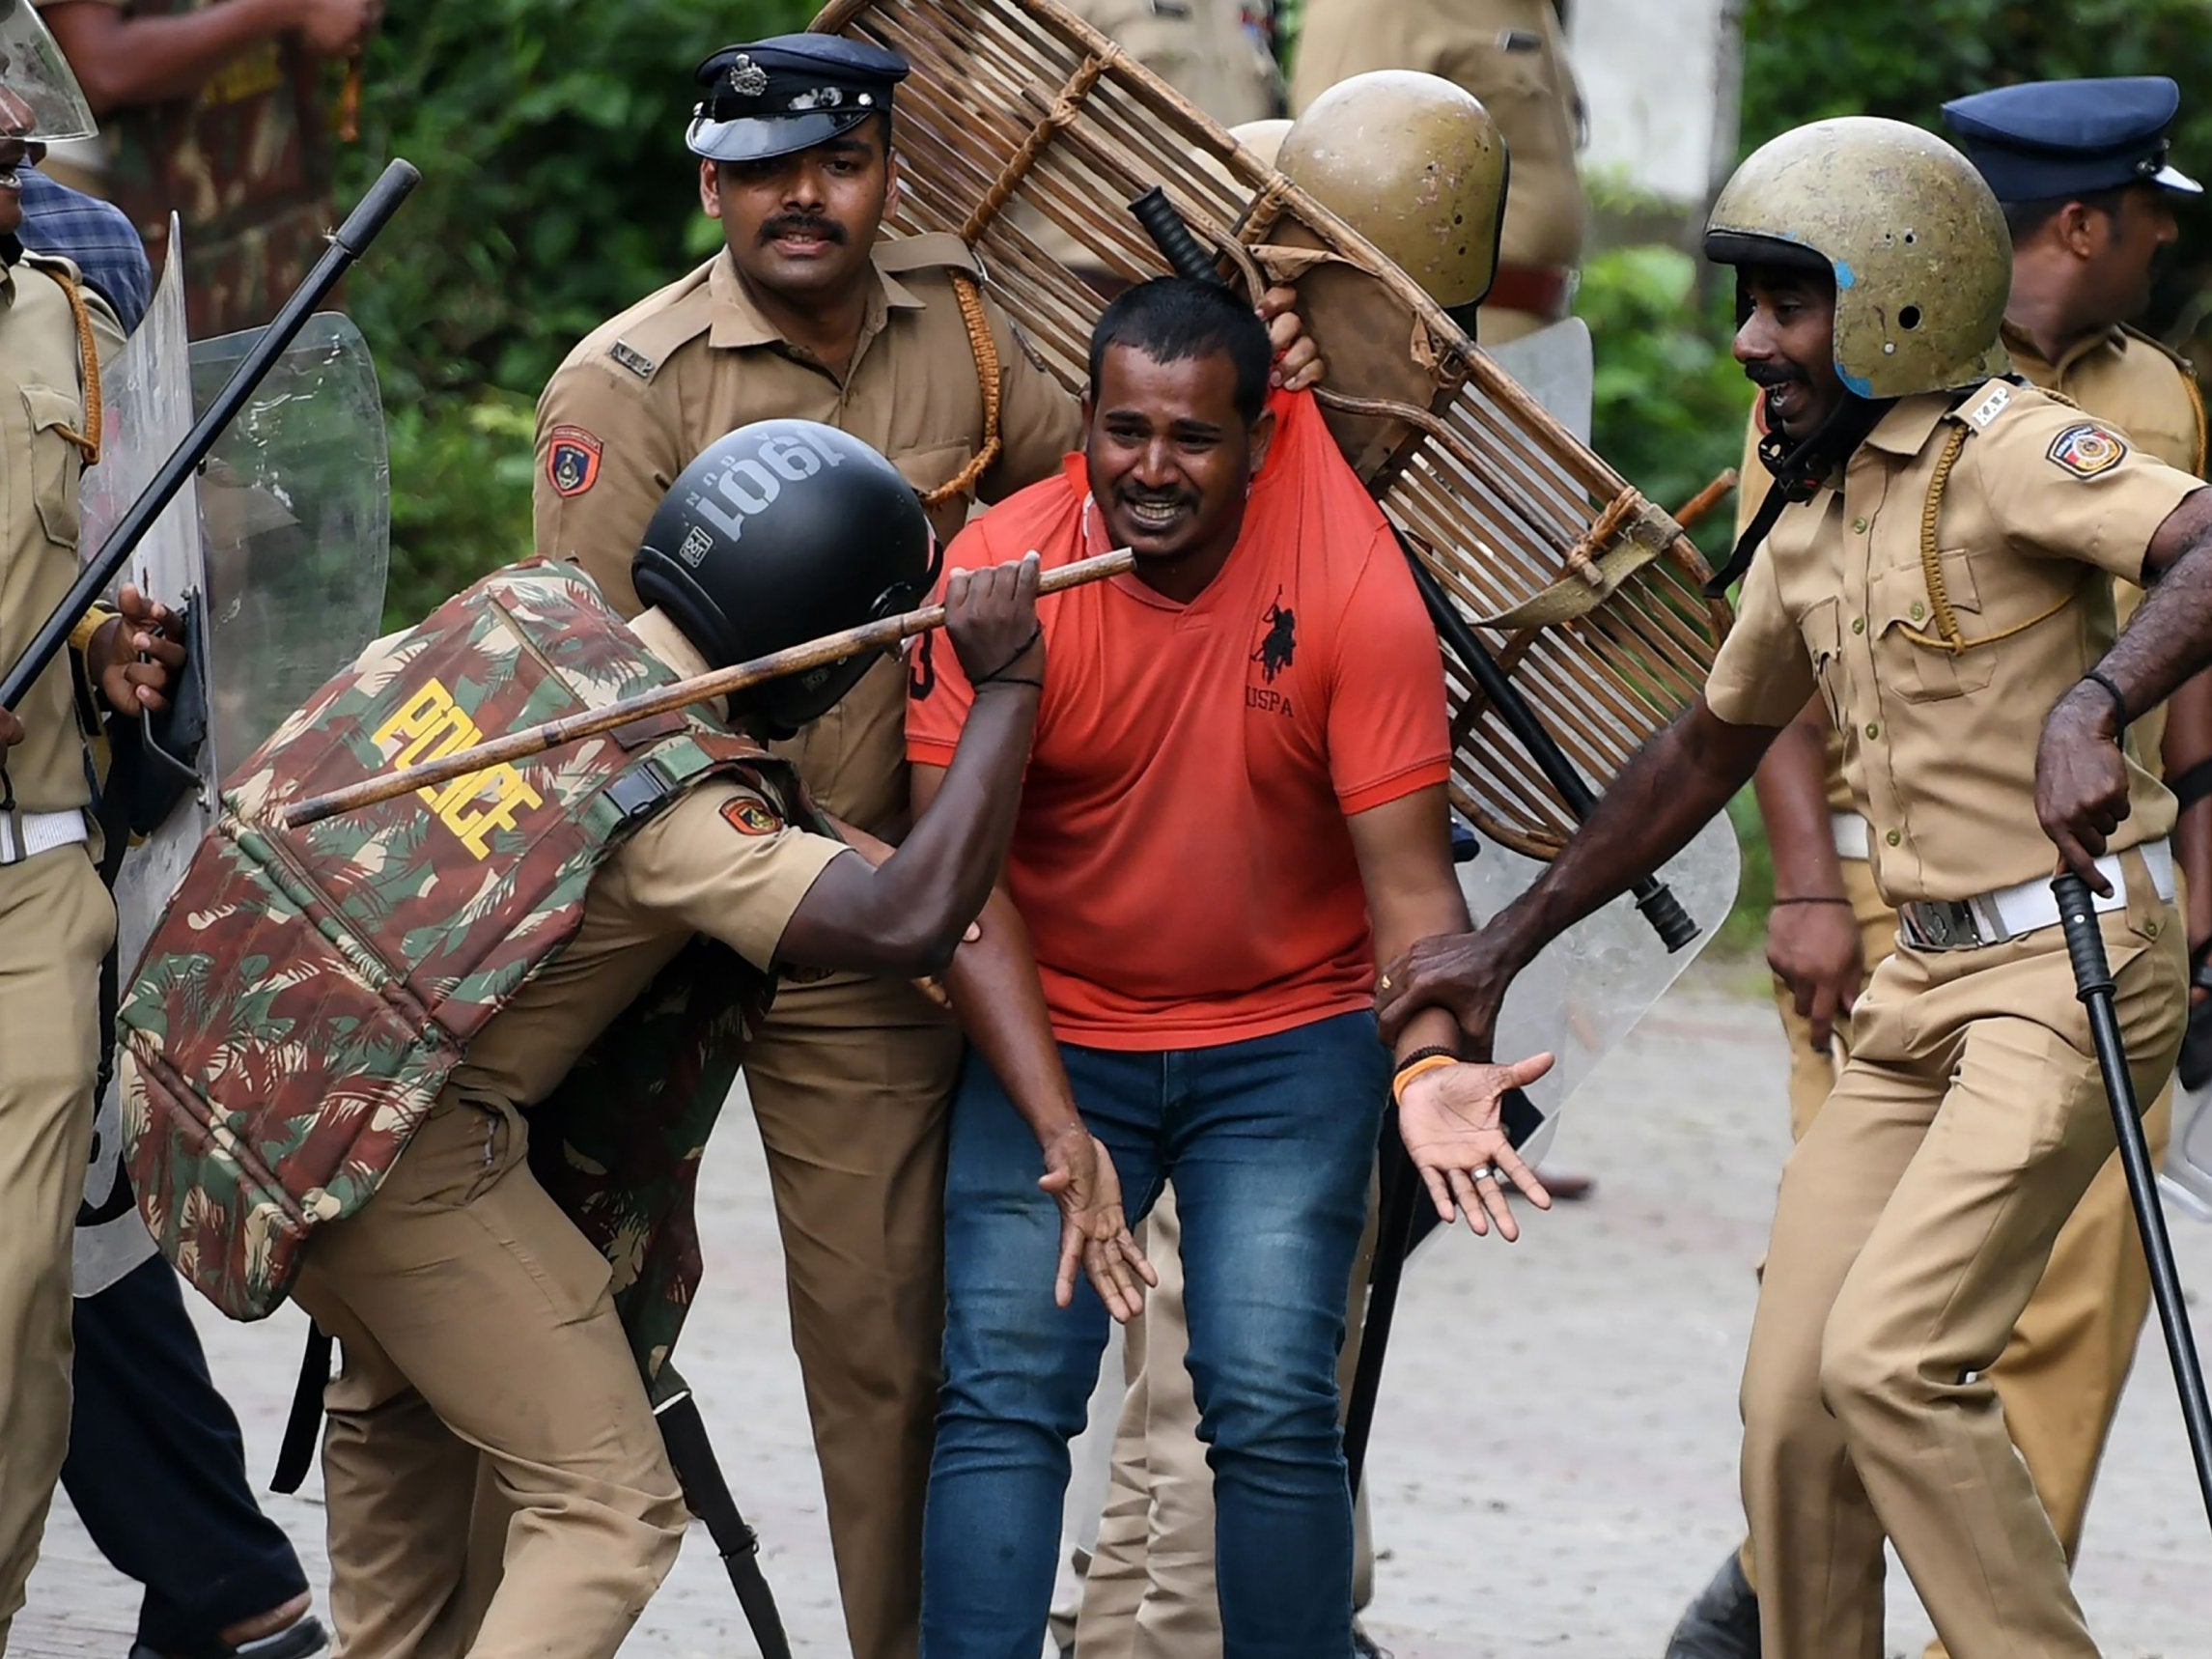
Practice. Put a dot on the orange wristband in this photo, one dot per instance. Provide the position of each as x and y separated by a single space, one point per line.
1429 1063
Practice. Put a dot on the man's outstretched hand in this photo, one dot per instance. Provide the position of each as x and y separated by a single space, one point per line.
1451 1123
1094 1234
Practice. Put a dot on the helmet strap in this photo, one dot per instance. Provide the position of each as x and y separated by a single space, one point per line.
1798 472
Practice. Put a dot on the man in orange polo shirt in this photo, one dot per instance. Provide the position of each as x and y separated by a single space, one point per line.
1240 760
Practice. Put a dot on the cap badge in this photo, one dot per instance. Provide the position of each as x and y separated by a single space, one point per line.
745 77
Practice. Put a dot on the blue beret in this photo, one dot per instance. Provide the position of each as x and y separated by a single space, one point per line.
790 93
2042 140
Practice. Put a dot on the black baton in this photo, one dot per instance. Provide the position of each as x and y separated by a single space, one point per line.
707 1493
2093 985
1653 897
353 236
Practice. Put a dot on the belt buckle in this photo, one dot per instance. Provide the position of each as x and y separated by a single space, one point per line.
1943 924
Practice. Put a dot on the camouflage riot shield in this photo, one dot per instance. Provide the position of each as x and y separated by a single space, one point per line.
146 394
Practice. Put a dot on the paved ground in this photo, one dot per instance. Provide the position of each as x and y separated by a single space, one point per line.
1554 1470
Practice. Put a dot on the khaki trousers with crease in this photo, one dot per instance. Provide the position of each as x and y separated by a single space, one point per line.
56 924
1914 1225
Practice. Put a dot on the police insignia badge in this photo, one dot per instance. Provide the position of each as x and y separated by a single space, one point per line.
750 817
747 78
2087 449
572 459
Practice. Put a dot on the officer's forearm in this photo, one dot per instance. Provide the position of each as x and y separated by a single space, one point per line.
1792 785
1670 789
2170 637
995 992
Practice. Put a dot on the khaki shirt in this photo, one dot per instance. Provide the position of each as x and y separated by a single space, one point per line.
1939 748
42 393
2149 393
1202 48
645 393
1509 53
720 862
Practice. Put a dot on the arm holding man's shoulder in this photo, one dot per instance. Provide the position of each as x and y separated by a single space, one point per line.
123 60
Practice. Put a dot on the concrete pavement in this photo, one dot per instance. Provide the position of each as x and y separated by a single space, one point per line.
1554 1468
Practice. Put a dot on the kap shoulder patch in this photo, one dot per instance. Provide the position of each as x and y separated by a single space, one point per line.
2085 449
572 459
632 359
749 816
1993 402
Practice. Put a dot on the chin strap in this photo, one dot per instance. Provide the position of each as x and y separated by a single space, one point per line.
1798 474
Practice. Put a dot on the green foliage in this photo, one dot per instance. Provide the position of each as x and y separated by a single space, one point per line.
1807 59
556 191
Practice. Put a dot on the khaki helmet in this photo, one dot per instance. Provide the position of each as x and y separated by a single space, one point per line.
1414 164
1908 229
1263 138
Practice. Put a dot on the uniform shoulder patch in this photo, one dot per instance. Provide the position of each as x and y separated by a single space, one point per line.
926 251
748 815
572 459
1995 399
2088 448
632 359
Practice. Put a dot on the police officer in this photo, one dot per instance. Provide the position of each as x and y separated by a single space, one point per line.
2079 170
1512 55
56 920
808 312
1936 569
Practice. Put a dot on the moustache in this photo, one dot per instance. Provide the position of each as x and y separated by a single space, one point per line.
1771 376
802 225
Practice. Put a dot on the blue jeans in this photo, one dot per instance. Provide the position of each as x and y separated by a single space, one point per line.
1270 1143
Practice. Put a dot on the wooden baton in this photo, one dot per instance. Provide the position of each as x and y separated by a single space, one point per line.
1706 500
738 677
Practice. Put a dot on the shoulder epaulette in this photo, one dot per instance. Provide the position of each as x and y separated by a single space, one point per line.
930 251
2162 348
53 262
643 339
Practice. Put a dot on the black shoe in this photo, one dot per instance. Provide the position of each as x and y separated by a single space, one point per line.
302 1639
1363 1646
1723 1622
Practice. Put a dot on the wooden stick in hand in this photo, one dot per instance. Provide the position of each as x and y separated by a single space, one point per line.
721 683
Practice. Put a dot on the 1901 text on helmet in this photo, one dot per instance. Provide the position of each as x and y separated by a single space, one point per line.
1908 229
778 533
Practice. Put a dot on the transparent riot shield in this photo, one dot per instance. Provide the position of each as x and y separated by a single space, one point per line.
146 398
295 498
1591 987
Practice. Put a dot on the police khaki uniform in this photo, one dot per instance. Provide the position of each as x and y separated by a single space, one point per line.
1512 55
1940 595
56 919
849 1076
2061 1376
463 1270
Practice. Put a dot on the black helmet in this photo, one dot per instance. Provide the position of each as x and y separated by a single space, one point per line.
778 533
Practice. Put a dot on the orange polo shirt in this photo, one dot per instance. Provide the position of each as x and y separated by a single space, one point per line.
1182 859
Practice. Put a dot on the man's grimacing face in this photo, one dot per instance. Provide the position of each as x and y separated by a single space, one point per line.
1170 457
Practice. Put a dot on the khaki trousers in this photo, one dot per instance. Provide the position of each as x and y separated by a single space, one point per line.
479 1334
1914 1222
2060 1377
1149 1592
56 924
850 1081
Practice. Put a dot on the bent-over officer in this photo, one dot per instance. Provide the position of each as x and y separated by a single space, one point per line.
1937 566
810 312
2079 170
536 931
56 919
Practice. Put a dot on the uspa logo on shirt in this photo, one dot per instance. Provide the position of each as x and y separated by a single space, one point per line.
1278 644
